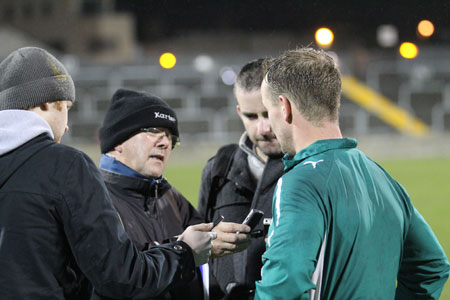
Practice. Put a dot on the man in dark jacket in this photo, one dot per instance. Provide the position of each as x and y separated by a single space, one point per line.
59 232
248 182
138 134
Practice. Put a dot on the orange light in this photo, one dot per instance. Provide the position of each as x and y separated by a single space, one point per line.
425 28
167 60
324 37
408 50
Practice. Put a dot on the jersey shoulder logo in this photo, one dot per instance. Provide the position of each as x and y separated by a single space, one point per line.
313 163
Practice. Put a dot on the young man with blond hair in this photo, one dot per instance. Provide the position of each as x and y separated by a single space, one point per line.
342 227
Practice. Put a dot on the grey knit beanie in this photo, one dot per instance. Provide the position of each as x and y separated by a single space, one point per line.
31 76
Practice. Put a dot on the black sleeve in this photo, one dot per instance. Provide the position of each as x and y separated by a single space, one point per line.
205 188
103 250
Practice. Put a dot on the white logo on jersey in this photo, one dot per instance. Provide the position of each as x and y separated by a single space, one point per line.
313 163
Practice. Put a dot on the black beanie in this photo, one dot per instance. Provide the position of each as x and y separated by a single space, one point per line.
31 76
129 111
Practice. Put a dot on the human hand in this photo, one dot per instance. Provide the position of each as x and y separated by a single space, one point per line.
228 240
199 238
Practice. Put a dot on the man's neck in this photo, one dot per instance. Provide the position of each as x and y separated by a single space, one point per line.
306 135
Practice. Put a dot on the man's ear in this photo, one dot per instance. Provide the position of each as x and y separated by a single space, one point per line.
286 108
44 106
118 148
238 109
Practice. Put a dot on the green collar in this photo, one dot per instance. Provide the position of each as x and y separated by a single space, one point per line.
316 148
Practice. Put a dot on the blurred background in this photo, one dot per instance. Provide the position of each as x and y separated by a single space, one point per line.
394 57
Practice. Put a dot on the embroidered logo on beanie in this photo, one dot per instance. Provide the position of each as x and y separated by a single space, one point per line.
164 116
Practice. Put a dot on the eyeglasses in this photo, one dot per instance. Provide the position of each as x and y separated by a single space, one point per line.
156 131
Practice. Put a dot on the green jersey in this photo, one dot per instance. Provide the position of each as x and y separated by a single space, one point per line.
343 228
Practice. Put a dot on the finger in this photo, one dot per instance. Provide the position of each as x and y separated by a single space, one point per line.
230 247
234 238
202 227
233 227
224 251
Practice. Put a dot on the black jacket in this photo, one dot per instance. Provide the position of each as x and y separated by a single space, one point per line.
151 215
234 200
59 230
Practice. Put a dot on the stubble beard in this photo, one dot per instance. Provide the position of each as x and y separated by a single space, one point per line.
271 148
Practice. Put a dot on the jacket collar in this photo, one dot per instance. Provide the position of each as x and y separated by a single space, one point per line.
240 173
248 147
111 164
140 186
315 148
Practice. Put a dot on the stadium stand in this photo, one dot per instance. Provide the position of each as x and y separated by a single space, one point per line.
206 106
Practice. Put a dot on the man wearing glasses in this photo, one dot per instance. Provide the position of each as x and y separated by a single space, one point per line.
138 134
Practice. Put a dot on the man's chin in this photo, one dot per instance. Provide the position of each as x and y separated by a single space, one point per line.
155 169
270 149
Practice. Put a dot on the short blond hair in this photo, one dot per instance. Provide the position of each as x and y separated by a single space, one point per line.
310 79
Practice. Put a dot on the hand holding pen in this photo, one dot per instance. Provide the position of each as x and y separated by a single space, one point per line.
231 238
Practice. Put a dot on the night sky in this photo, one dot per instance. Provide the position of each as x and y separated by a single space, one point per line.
158 19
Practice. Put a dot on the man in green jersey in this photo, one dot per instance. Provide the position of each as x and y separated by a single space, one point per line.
342 227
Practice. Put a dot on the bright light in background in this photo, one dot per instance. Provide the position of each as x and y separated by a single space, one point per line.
167 60
203 63
228 75
408 50
425 28
387 35
324 37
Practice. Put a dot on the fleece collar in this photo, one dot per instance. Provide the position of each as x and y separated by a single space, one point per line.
20 126
255 163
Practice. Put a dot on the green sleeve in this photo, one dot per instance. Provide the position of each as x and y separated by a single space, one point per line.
424 268
294 241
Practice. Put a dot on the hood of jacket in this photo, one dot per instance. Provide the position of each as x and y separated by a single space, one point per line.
17 127
20 133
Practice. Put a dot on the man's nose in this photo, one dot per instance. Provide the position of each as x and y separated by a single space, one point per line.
162 141
264 126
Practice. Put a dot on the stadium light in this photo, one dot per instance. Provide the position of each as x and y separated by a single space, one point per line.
167 60
425 28
228 75
203 63
408 50
324 37
387 35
